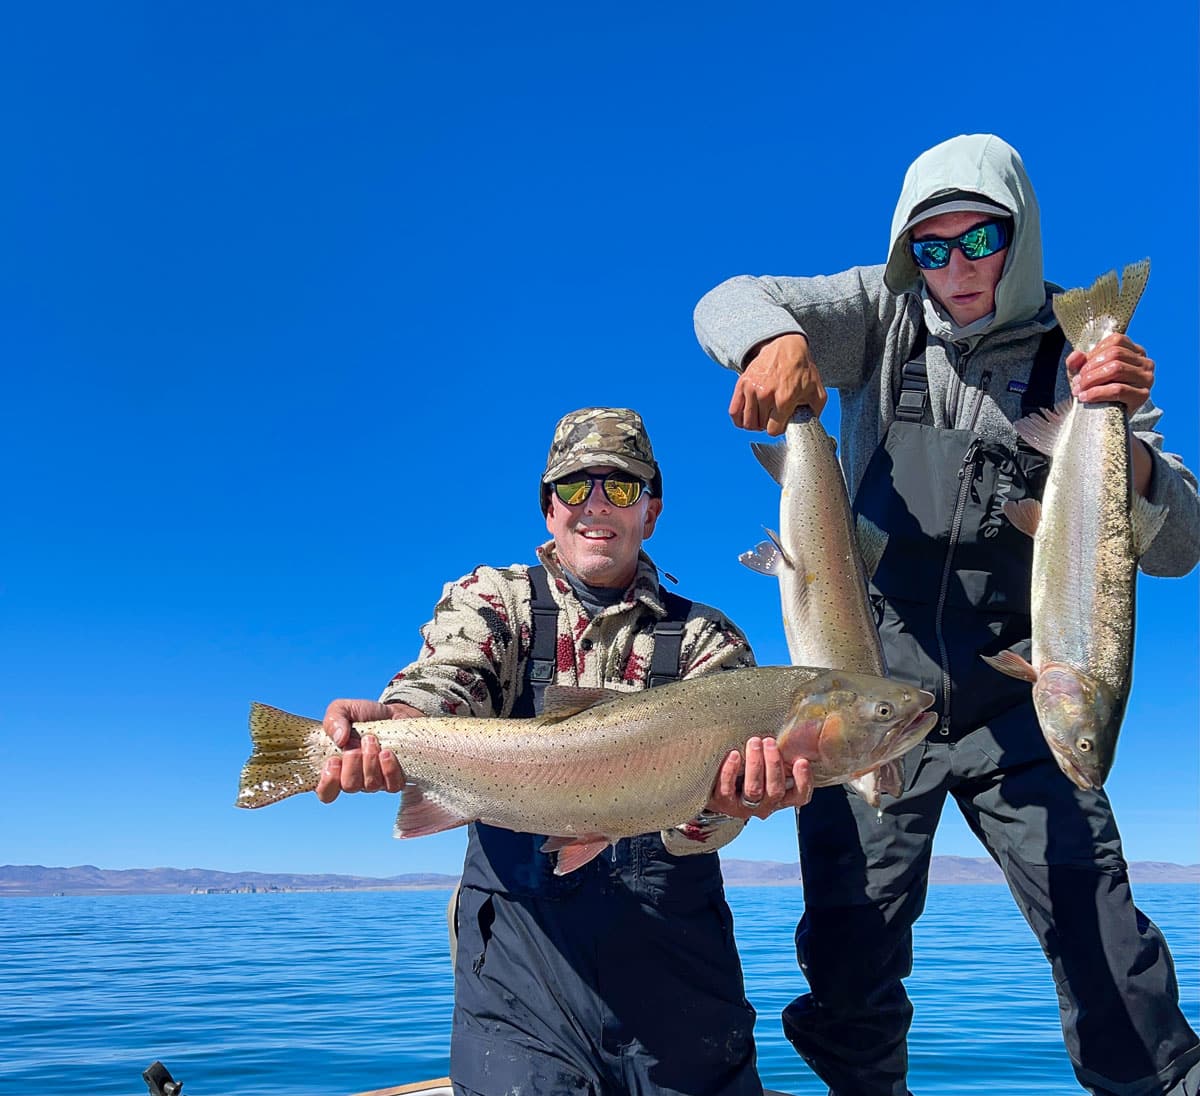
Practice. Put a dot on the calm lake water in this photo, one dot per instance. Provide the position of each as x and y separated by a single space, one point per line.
336 993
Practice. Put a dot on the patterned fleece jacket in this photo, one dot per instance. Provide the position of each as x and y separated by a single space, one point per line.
475 648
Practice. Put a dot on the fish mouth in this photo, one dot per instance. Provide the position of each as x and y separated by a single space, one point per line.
904 735
1072 771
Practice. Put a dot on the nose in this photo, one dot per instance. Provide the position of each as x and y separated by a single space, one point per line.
597 499
959 264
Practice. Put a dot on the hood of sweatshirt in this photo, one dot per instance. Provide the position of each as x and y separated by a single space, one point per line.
973 168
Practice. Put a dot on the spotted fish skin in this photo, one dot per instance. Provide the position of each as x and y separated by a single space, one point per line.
600 764
1088 533
816 557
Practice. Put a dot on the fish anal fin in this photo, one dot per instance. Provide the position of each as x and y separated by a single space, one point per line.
1026 515
764 559
1011 663
560 701
1040 429
772 456
574 852
1147 521
420 815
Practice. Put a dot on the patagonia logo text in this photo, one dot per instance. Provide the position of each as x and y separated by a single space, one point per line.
1017 386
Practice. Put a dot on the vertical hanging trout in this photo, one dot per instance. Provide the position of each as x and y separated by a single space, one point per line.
1088 533
827 617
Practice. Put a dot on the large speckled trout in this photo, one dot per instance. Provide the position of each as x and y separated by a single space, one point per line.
1089 531
827 617
600 765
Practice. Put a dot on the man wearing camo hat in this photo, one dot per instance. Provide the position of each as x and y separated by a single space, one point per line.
621 976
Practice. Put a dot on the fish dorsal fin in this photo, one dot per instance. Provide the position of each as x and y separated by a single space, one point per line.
560 701
772 456
1041 428
872 543
1147 521
1088 315
1026 515
764 558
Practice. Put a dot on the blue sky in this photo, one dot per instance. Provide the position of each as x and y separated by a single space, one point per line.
294 294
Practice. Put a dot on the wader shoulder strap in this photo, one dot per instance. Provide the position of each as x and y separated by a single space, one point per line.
539 670
1043 377
912 397
668 640
543 643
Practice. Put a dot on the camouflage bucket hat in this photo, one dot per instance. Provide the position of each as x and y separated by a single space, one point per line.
599 436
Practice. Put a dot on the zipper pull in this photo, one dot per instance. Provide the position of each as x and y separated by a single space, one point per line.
969 458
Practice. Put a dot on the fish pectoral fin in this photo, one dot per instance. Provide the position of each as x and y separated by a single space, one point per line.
1025 515
1011 663
764 559
866 787
772 456
574 852
1041 428
420 815
1147 521
888 777
560 701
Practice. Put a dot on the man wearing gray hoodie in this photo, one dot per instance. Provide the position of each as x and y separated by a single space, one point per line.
934 356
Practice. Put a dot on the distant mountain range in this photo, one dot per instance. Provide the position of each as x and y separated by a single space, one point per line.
33 880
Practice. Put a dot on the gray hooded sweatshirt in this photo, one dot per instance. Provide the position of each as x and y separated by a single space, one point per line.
861 326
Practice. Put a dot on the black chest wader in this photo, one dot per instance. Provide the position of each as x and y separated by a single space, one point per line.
954 583
619 976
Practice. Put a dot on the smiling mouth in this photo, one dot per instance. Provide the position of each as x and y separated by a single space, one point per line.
597 534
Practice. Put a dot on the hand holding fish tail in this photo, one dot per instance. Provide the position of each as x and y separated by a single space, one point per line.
361 766
779 377
763 785
1117 371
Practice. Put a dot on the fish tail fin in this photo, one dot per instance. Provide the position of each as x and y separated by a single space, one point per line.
1087 315
287 752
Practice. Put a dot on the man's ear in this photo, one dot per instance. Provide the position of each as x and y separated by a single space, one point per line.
653 509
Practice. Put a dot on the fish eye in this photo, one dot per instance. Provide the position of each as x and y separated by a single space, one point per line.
883 710
1084 745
